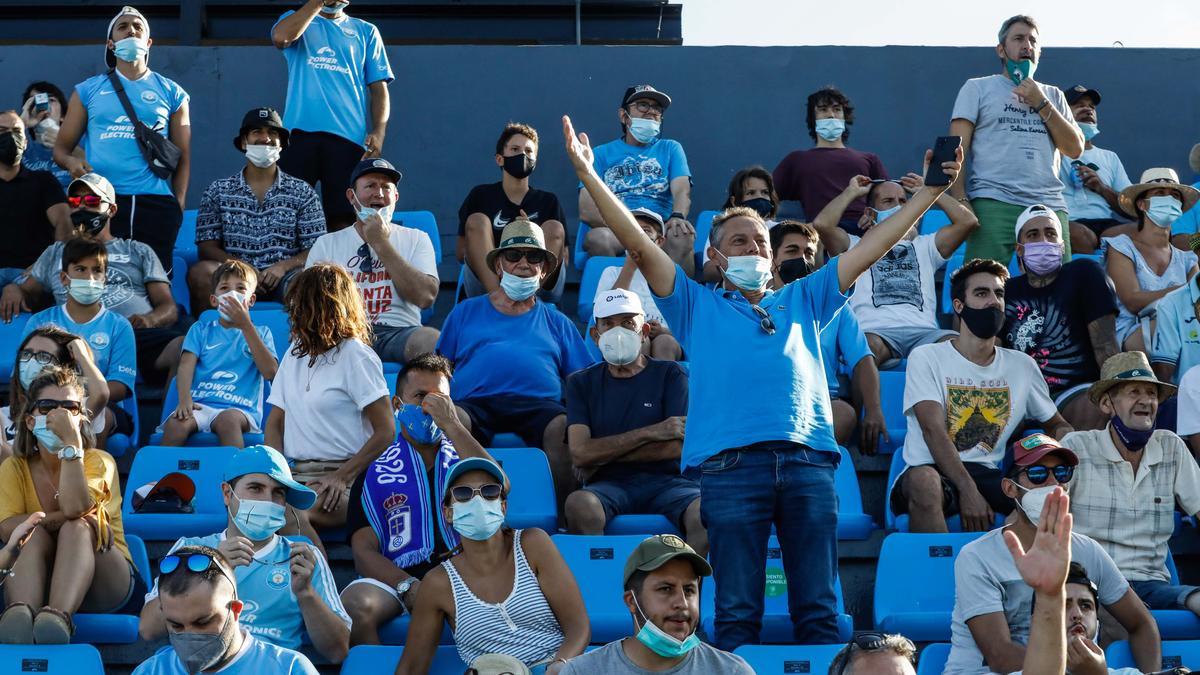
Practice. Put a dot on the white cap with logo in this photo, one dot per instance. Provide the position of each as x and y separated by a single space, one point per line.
617 301
1037 211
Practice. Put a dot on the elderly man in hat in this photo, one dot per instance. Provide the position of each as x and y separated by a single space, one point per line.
1143 265
392 265
1130 477
511 353
643 170
260 215
662 592
991 620
149 201
1092 182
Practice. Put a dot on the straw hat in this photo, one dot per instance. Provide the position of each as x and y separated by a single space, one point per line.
1156 178
1127 367
522 233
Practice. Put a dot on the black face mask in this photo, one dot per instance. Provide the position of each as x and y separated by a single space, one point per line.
761 205
12 146
519 166
89 222
796 268
984 323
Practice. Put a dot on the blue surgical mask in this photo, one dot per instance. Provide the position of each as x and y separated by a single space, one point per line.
419 426
519 288
86 291
29 370
883 215
658 641
334 8
1089 130
1019 70
131 49
748 272
830 128
259 520
477 519
644 130
44 435
1164 210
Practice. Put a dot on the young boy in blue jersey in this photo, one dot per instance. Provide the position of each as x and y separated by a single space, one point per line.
224 363
110 336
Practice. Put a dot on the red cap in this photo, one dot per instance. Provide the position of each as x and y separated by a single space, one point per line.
1033 447
176 482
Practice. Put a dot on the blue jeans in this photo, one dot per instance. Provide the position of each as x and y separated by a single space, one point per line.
742 492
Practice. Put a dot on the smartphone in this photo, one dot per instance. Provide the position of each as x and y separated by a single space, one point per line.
943 151
41 102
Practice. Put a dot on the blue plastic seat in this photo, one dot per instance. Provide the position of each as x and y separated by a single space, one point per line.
643 524
179 287
395 631
933 659
777 622
1175 653
933 220
579 257
914 584
507 440
119 444
953 264
374 659
598 563
78 659
202 439
703 227
10 338
780 659
895 523
531 502
891 399
206 468
424 221
185 241
853 523
277 320
1176 624
591 281
115 628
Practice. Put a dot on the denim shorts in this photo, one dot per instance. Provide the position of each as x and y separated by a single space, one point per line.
667 495
1162 594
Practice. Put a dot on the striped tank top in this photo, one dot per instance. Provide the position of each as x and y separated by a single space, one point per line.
523 626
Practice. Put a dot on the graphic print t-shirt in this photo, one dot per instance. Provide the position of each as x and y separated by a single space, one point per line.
898 291
490 200
984 405
1050 323
641 176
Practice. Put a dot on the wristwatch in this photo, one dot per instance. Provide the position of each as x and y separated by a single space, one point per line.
404 586
678 215
69 452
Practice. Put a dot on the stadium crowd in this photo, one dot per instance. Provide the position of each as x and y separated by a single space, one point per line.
1057 412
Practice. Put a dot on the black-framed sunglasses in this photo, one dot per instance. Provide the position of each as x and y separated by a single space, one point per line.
764 320
365 262
44 358
867 642
465 493
1039 474
43 406
532 255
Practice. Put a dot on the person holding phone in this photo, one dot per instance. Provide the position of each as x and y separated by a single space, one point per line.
42 112
1013 129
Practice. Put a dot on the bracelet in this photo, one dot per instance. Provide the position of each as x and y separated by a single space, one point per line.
678 215
1045 102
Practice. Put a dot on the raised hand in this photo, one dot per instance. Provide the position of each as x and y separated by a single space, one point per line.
1044 566
579 148
1030 92
859 186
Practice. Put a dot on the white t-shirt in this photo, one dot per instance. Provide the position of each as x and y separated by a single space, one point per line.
637 286
1082 202
384 305
986 581
983 404
898 291
324 403
1189 403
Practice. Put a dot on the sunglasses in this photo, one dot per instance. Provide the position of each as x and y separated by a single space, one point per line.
465 493
43 406
366 262
1039 474
867 642
764 320
533 255
90 201
44 358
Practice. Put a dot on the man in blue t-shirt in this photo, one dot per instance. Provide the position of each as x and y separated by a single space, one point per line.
759 428
286 586
625 420
511 352
643 170
337 70
202 610
150 207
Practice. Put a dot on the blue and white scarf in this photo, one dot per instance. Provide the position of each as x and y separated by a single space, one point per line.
398 505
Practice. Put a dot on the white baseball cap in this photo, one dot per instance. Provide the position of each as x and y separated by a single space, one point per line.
1037 211
652 215
617 301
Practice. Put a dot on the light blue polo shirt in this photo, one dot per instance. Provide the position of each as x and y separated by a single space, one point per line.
226 375
255 658
109 143
1177 333
843 345
329 69
108 334
746 386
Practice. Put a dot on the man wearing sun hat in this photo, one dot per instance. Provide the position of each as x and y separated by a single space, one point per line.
992 605
1130 477
511 352
287 585
662 593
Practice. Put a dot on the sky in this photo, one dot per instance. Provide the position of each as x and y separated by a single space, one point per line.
1101 23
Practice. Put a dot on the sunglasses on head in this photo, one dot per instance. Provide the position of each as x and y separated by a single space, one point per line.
867 642
465 493
44 358
1039 474
90 201
532 255
43 406
197 563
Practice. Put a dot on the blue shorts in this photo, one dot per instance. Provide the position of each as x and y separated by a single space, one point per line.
1162 594
667 495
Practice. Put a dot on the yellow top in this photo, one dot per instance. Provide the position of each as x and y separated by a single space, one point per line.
19 497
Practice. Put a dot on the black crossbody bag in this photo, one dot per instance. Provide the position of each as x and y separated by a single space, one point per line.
159 152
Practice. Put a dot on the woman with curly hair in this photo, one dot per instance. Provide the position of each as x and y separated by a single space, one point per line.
331 415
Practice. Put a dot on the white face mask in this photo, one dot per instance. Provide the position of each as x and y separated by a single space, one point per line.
1033 501
263 156
620 346
237 297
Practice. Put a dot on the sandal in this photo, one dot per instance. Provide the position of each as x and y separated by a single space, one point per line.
16 624
52 627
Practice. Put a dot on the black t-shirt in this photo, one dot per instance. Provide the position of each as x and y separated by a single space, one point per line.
26 230
490 200
610 406
356 519
1051 323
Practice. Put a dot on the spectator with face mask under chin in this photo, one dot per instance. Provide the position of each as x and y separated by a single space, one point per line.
33 203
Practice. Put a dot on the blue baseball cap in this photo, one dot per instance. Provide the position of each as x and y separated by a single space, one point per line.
268 460
473 464
376 165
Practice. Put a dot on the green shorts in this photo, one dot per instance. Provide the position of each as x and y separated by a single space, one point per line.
995 238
